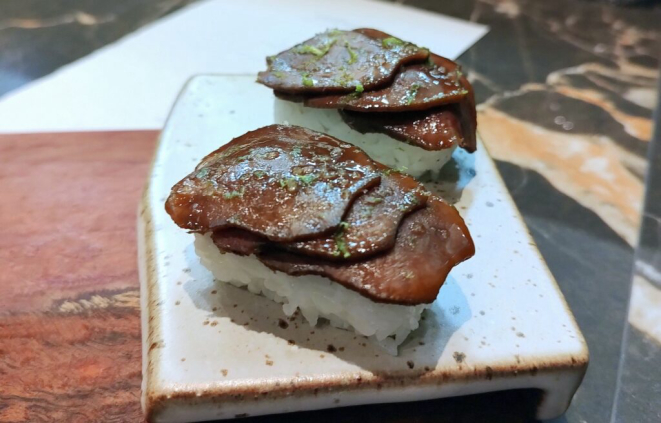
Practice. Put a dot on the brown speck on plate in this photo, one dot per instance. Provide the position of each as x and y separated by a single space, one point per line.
283 324
224 372
459 357
331 348
410 364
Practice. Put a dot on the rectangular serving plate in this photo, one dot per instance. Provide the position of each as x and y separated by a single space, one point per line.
212 351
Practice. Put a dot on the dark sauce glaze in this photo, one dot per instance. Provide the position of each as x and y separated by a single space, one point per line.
339 62
429 243
369 227
415 87
434 129
285 183
428 104
372 221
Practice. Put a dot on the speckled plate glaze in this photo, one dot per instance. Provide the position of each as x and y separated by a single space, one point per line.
212 351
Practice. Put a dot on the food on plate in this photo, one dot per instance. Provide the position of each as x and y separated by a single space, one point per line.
406 107
313 223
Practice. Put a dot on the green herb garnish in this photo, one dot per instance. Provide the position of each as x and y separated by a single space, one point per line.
202 173
340 242
359 88
307 179
412 92
400 169
289 183
233 194
353 56
391 42
307 81
374 200
259 173
309 49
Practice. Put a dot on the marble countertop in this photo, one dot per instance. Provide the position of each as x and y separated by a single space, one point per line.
567 92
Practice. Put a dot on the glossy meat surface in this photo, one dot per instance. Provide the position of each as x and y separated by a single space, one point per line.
372 222
285 183
434 129
339 62
415 87
430 242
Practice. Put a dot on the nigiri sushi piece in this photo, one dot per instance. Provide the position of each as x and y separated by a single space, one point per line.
406 107
315 224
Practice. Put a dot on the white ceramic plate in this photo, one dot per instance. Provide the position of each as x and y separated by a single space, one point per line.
213 351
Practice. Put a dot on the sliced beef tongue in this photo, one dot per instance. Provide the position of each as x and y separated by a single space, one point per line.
430 242
371 225
369 228
415 87
285 183
339 62
434 129
429 104
307 204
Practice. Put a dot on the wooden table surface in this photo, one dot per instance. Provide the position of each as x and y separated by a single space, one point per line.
69 296
70 339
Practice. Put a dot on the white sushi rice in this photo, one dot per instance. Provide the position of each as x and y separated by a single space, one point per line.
315 296
393 153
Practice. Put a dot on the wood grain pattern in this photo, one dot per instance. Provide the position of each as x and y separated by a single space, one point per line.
70 347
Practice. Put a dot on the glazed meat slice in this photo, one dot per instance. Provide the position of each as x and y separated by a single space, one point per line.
466 107
415 87
369 228
430 242
468 119
285 183
371 224
238 241
434 129
339 62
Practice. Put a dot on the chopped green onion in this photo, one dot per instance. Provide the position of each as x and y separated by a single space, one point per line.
391 42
